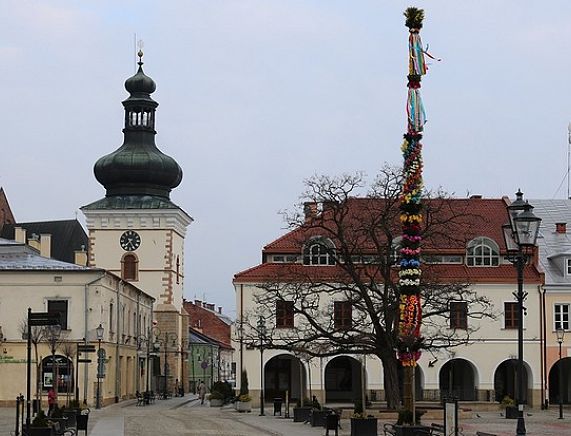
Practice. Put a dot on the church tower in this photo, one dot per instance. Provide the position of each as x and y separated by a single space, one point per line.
136 231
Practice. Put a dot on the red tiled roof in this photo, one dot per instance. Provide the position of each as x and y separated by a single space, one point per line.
474 217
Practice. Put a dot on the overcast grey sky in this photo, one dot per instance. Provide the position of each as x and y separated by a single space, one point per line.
256 95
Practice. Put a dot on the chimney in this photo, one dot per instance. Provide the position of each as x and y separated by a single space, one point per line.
34 241
560 227
46 245
220 310
198 303
20 234
80 256
211 307
309 210
475 197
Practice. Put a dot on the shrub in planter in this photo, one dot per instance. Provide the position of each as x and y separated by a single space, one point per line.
216 399
225 389
362 425
301 414
40 425
405 425
511 409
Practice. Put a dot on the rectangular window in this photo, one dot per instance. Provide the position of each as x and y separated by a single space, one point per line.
511 316
59 307
561 316
342 314
111 323
569 267
284 314
459 315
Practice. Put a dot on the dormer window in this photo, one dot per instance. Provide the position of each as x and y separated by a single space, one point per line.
319 251
482 252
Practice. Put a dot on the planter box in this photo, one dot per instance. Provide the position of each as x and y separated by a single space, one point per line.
216 402
244 406
40 431
412 430
301 414
318 418
364 427
512 412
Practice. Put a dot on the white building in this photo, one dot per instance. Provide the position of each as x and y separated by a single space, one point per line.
483 371
85 298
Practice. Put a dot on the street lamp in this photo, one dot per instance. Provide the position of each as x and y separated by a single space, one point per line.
99 332
560 336
261 336
520 236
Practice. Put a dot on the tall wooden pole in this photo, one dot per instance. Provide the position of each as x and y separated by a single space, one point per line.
410 310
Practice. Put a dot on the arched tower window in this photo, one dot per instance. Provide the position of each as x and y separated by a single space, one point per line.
319 251
130 267
482 251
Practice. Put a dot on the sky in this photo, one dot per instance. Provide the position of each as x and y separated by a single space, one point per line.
257 95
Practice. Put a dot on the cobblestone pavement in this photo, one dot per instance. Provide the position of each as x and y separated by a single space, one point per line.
187 417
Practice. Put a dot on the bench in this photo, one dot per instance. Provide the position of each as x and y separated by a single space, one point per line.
437 429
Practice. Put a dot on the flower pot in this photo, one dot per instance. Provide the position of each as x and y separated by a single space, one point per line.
363 426
318 418
411 430
216 402
301 414
512 412
244 406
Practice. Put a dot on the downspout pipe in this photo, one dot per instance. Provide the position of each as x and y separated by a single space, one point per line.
544 399
86 328
117 338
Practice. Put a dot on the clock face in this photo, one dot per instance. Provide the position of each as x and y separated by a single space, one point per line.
130 240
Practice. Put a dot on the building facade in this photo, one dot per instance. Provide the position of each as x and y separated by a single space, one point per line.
555 260
470 254
84 298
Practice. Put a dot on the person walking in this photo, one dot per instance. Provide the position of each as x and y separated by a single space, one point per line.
51 401
201 391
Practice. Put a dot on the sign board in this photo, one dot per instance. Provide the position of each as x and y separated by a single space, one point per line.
43 318
85 348
451 417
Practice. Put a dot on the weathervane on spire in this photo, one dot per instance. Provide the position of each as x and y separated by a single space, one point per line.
140 44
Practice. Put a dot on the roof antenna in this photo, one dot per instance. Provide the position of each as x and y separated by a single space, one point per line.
568 160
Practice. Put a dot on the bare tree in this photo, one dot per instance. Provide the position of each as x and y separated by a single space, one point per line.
69 350
37 335
359 233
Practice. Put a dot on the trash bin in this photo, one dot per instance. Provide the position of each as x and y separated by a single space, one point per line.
278 406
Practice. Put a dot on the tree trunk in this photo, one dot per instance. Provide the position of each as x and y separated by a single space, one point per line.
390 373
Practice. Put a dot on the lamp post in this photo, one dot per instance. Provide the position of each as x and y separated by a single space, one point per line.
520 236
560 336
261 336
99 332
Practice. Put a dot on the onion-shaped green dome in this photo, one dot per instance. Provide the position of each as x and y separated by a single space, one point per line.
138 167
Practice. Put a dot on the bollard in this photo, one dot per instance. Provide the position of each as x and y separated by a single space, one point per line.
19 404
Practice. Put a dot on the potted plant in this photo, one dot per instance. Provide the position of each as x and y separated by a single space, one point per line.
511 408
244 403
40 425
407 427
216 399
362 425
302 411
318 415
